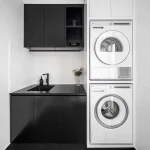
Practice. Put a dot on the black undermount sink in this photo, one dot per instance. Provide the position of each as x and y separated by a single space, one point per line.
42 88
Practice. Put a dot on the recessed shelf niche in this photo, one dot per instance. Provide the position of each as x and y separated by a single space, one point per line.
74 26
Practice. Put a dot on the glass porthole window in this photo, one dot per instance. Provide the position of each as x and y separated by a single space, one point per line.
111 44
111 111
112 47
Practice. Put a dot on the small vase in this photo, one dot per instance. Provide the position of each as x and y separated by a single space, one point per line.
77 80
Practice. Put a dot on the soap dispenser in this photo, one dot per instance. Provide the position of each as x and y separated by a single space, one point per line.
41 81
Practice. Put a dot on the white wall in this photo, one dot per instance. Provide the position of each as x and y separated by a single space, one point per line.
143 74
21 61
4 97
15 62
58 64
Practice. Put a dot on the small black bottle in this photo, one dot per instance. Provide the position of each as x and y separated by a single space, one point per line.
41 81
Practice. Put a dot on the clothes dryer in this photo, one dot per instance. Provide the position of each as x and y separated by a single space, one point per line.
111 50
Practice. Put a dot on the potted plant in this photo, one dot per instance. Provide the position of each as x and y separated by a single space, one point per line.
78 73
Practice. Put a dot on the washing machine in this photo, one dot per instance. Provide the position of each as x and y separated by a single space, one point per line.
111 50
110 113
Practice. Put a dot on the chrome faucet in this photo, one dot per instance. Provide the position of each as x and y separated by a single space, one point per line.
47 79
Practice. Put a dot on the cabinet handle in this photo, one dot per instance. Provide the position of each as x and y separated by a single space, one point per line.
121 23
98 27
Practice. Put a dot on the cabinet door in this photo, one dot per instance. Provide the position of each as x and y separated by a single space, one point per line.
45 119
55 26
122 8
60 119
34 25
21 119
100 8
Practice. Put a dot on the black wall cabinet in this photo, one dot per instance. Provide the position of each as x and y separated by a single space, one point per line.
34 26
48 119
53 27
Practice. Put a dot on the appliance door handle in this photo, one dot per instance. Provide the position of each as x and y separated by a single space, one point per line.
98 27
122 23
122 87
98 90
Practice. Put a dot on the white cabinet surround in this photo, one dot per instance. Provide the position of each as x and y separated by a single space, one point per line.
53 1
100 8
111 8
122 8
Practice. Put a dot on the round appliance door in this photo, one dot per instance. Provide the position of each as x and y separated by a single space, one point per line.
112 47
111 111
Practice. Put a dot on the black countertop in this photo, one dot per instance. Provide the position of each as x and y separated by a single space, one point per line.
31 146
58 89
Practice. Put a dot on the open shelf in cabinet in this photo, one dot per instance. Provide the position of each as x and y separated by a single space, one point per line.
74 26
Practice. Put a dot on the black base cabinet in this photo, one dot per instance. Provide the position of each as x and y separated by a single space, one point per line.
60 119
48 119
21 118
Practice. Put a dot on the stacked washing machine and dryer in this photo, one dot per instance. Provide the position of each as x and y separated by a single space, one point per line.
111 105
